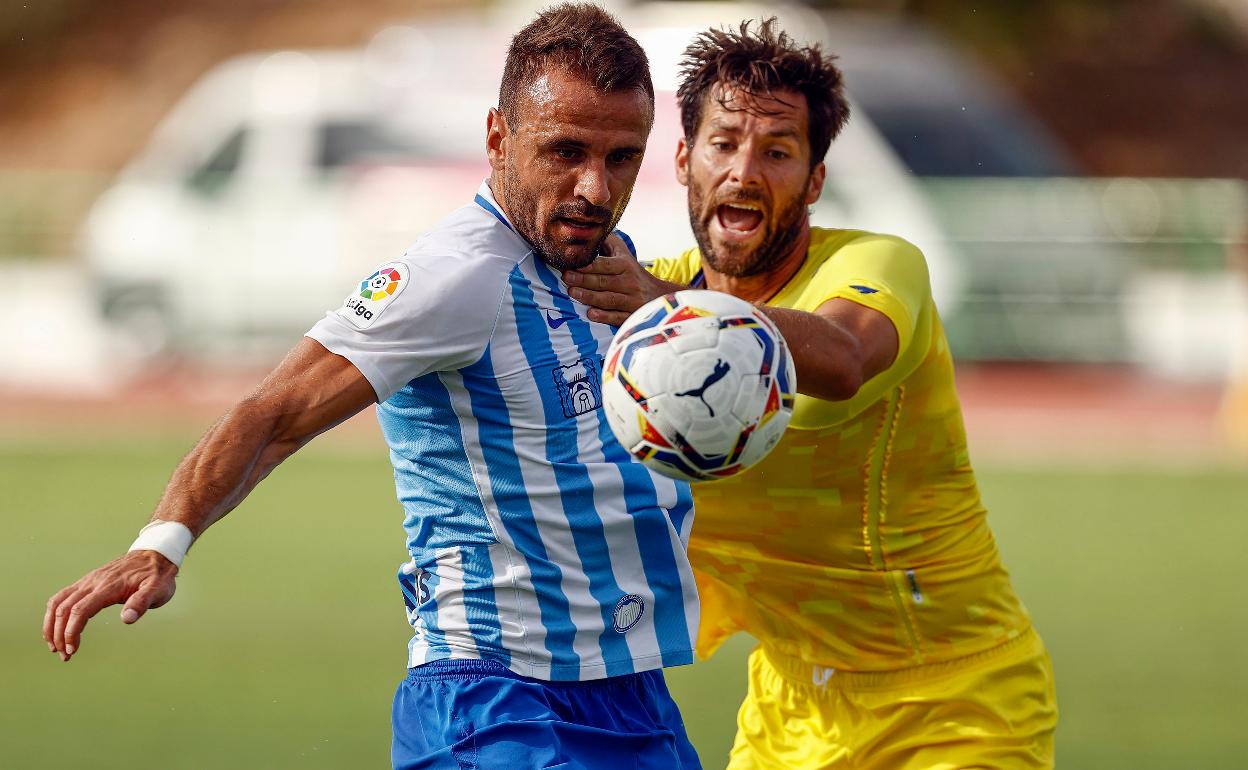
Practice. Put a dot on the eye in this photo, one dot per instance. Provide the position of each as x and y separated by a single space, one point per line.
722 145
777 154
621 157
567 153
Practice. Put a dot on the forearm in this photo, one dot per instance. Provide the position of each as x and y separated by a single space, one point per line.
309 393
236 453
828 357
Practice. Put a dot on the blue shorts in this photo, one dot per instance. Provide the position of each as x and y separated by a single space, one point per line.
477 715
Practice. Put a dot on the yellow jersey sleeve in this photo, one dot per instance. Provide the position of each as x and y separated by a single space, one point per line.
882 272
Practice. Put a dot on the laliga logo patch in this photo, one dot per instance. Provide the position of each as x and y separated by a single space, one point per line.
628 610
375 294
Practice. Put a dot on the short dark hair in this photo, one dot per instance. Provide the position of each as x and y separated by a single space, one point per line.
579 38
759 63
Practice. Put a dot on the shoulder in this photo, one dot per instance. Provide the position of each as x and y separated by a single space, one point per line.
462 265
825 243
862 253
470 238
680 269
467 249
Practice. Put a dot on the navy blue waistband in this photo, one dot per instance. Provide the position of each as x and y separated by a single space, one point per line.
468 669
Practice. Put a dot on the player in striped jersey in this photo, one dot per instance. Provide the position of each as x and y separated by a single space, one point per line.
858 552
548 582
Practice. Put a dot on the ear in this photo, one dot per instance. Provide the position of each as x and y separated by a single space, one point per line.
682 162
815 187
496 133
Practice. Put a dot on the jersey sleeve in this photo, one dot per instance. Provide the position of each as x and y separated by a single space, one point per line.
887 274
414 316
882 272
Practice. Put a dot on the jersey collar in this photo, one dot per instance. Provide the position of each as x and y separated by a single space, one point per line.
485 199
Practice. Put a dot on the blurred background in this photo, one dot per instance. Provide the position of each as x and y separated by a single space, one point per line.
186 186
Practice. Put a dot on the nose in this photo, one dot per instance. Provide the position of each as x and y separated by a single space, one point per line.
745 169
592 185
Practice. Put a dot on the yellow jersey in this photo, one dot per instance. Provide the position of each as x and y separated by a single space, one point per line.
860 543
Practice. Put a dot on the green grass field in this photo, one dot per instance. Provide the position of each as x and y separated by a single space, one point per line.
286 639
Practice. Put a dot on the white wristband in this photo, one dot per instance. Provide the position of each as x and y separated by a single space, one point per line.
170 539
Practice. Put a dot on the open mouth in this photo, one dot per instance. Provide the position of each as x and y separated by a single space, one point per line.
739 218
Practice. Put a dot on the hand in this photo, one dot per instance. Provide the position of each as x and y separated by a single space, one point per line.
615 284
140 579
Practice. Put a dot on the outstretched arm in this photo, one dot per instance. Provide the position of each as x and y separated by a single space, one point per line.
836 348
311 391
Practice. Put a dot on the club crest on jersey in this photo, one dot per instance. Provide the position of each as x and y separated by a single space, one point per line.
580 389
628 611
374 295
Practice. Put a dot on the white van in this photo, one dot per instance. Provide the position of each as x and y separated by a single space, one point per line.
281 178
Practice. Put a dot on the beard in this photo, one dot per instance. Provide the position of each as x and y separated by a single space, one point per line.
522 207
779 234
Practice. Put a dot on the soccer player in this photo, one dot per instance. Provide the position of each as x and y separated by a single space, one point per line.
858 552
548 581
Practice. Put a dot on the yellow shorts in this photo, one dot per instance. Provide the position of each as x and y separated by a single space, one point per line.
995 709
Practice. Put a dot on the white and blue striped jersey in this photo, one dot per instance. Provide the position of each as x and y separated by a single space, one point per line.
535 539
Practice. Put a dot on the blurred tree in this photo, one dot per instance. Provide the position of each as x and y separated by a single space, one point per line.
1133 87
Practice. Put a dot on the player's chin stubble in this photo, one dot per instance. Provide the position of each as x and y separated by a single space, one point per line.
523 208
780 233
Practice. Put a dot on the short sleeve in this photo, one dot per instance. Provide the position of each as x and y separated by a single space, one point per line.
881 272
416 315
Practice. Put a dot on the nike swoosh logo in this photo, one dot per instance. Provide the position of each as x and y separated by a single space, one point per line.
555 322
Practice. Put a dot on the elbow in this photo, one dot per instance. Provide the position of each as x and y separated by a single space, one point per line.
841 385
269 426
833 383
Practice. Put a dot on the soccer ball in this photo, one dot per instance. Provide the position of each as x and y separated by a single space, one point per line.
698 385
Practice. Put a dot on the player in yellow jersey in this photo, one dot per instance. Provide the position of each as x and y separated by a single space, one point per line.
858 552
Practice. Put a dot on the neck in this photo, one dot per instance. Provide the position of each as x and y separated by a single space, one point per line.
499 191
762 287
